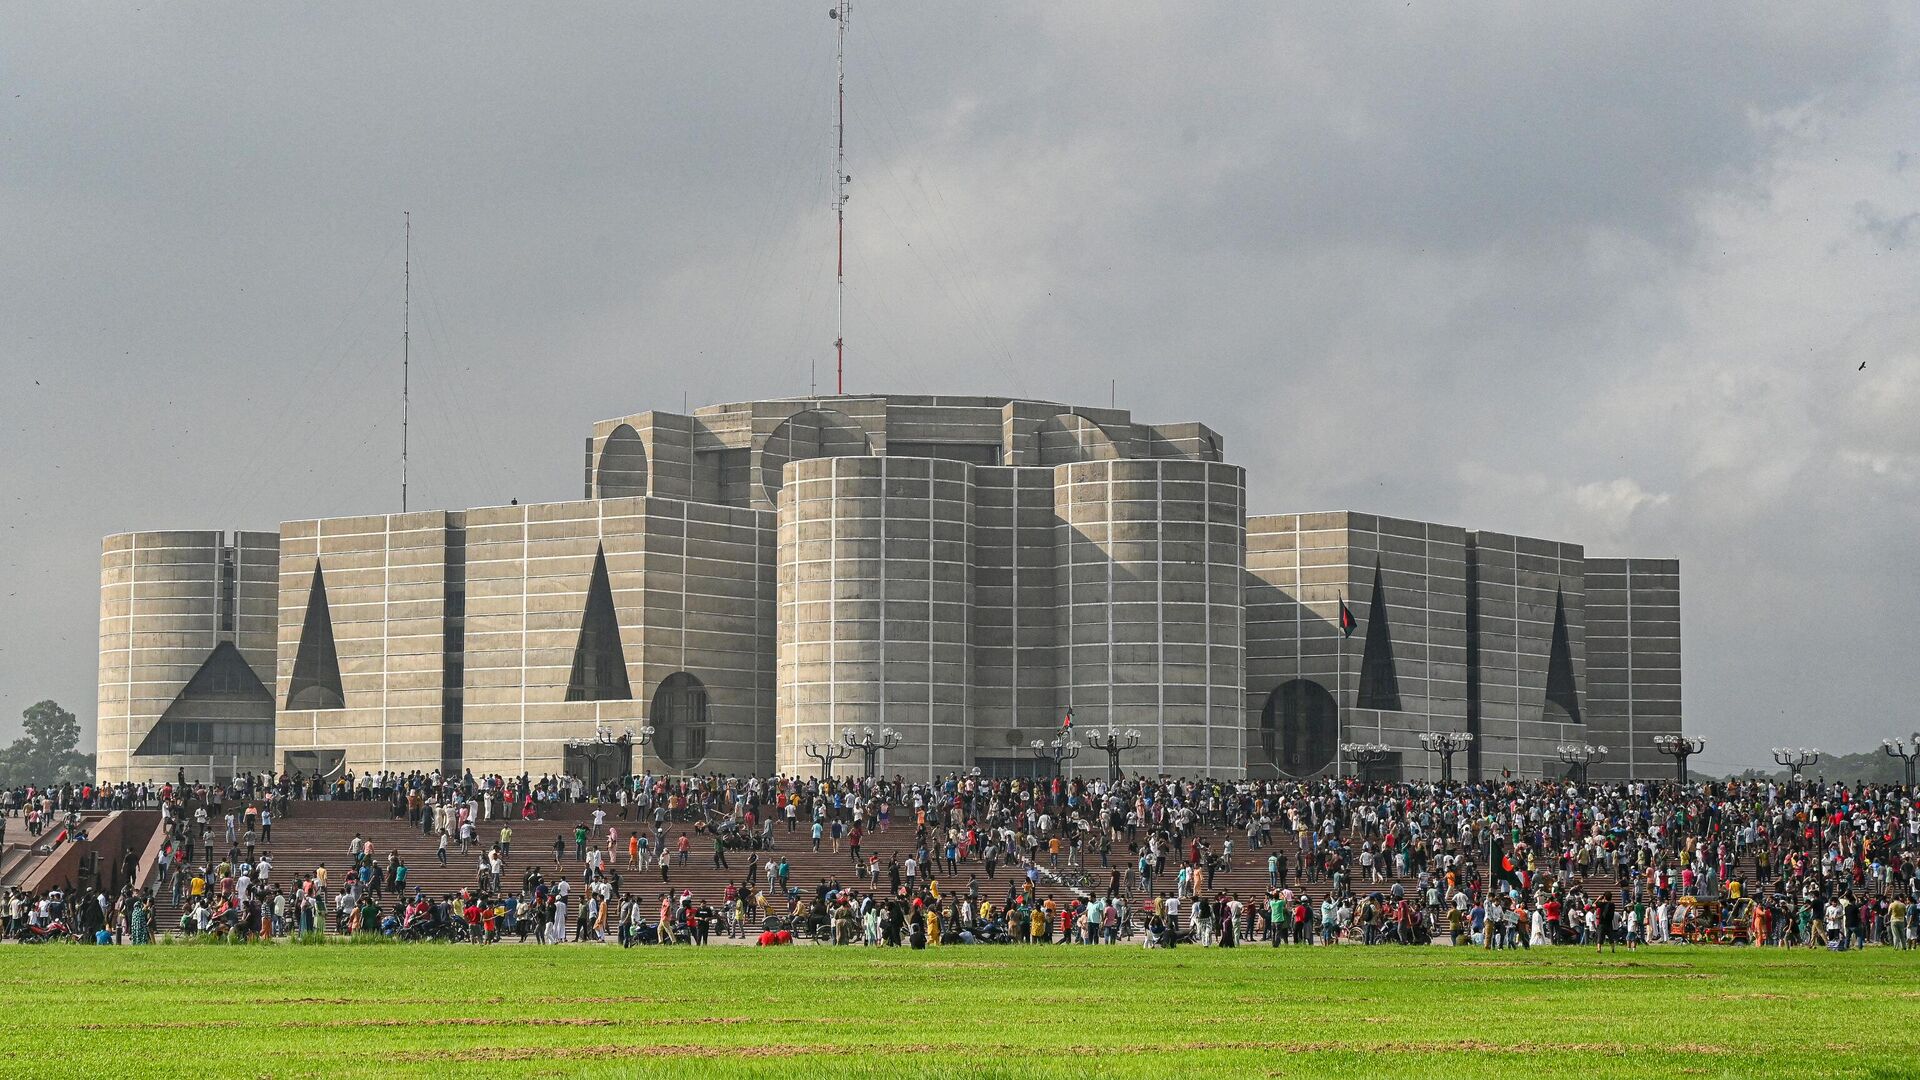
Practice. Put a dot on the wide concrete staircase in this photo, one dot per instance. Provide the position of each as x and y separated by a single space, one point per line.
311 834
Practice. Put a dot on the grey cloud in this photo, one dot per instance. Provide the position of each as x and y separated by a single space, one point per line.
1890 231
1587 272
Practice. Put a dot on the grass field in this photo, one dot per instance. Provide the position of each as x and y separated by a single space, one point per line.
425 1010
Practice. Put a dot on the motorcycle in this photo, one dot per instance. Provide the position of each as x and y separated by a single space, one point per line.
53 931
453 929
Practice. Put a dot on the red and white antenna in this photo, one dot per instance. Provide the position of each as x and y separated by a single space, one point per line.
842 10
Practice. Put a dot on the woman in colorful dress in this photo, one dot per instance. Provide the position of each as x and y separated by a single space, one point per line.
137 921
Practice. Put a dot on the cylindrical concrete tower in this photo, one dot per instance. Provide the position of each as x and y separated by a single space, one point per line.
875 595
188 628
1149 588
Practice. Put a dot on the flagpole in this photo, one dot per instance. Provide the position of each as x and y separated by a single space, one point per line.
1339 679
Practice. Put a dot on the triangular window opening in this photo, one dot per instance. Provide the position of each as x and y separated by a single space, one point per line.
599 663
1561 688
224 710
1379 684
316 666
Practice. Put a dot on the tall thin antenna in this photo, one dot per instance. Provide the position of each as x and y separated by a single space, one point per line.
842 10
406 350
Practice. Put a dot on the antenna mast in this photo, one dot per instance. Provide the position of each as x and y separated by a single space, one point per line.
842 9
406 359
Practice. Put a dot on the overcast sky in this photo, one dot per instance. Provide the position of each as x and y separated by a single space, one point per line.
1604 275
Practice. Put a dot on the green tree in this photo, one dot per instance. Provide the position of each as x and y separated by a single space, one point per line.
48 751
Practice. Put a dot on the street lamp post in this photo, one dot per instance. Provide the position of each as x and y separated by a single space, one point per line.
1115 742
1446 744
1581 756
870 744
598 756
1059 750
1365 756
1796 760
629 739
826 754
1679 748
1906 751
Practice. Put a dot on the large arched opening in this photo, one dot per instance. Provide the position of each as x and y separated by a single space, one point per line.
1299 728
678 716
810 433
622 472
1070 437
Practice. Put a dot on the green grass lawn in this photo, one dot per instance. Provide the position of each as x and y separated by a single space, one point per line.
345 1010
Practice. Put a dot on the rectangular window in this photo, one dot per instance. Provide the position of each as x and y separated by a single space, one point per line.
1008 768
971 453
227 591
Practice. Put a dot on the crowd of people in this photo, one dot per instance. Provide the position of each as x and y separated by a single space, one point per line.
1159 862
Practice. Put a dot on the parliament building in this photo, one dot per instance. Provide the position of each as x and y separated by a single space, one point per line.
755 580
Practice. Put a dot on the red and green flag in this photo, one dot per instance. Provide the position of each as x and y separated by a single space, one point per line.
1346 619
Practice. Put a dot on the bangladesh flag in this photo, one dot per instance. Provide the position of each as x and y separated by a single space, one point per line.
1066 724
1505 870
1346 619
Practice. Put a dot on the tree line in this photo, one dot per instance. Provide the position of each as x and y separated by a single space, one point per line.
47 752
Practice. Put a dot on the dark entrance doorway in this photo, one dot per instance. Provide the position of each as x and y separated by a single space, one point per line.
326 764
599 762
1299 728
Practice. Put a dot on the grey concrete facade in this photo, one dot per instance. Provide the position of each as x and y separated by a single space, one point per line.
1489 634
176 610
1151 555
692 590
1300 567
876 606
1519 585
384 581
756 577
1633 660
